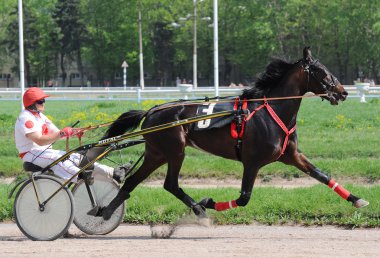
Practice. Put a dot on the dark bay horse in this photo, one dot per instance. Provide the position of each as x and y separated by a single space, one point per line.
269 134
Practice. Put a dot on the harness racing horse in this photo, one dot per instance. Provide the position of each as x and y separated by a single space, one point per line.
269 134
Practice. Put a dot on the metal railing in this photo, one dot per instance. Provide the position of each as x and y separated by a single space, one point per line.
156 93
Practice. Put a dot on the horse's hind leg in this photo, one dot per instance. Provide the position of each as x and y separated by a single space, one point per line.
295 158
151 162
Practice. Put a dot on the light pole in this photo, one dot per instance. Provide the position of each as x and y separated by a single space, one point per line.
21 48
216 48
195 80
195 46
142 83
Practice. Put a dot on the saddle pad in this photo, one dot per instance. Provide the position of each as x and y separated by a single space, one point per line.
211 108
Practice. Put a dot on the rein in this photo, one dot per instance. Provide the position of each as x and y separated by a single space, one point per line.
195 102
189 103
192 102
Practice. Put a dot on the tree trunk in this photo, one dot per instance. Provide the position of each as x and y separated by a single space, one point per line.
80 67
63 70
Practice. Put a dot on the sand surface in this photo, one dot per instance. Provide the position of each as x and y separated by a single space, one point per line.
199 241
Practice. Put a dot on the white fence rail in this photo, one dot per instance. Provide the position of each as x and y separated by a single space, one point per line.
119 93
163 93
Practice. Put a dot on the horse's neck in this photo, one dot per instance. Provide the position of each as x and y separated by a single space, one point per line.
286 109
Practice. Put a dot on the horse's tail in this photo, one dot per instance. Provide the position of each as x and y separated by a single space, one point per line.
127 121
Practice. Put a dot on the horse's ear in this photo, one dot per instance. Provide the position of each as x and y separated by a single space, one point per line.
307 55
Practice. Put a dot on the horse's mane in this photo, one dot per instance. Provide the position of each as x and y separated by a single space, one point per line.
269 79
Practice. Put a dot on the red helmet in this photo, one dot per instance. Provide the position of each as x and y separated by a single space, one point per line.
32 95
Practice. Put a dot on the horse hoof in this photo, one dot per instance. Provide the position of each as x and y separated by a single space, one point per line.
361 203
207 203
199 211
106 214
96 211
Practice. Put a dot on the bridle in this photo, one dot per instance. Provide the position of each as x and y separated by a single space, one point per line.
319 75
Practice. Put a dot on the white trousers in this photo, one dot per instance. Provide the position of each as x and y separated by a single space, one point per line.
67 168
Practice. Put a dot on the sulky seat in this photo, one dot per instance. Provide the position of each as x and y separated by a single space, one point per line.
30 167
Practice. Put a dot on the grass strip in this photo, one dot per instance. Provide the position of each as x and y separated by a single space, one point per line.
316 205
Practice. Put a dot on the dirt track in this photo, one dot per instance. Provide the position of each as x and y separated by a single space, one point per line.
200 241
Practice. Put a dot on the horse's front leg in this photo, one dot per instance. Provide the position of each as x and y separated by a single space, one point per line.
249 176
295 158
171 185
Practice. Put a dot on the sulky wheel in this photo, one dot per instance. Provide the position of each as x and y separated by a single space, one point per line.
105 190
49 222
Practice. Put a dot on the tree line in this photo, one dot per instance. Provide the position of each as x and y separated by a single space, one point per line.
99 35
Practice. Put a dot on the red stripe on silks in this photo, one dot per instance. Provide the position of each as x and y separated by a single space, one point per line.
339 189
21 155
221 206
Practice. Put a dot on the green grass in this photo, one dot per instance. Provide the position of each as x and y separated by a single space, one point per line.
6 205
316 205
342 140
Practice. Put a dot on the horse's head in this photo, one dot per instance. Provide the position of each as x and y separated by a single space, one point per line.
321 81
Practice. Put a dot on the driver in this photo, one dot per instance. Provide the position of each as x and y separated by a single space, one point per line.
35 133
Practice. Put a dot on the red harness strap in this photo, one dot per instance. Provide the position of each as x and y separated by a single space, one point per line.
234 133
278 121
254 112
221 206
281 124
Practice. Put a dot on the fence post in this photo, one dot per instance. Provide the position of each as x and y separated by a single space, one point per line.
185 88
138 95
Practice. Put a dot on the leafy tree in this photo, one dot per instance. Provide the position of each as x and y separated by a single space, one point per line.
99 35
38 42
5 20
72 34
112 27
31 36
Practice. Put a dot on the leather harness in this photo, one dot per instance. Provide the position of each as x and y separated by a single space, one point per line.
242 115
